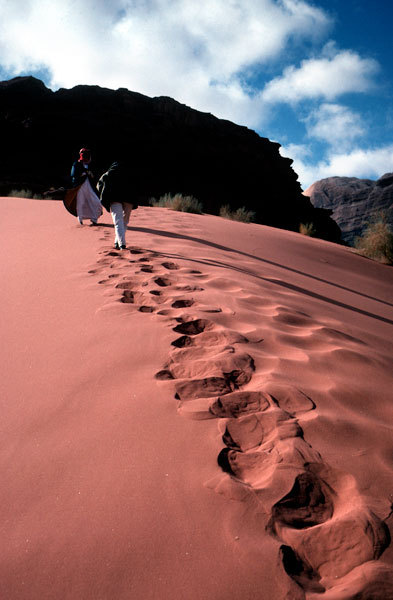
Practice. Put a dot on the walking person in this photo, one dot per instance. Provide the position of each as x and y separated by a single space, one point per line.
88 205
112 187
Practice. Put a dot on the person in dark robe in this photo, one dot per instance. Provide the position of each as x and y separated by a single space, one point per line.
113 187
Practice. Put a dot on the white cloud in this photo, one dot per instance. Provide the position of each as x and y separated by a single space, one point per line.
369 163
327 77
192 51
334 124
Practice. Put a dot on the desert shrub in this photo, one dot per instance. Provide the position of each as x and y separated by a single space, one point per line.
24 194
377 241
225 211
241 214
179 202
244 215
163 201
307 229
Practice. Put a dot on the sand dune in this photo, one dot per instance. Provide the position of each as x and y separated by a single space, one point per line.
207 414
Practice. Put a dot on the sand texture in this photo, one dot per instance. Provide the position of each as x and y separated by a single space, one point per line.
206 415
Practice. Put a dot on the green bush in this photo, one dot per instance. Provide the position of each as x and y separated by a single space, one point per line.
307 229
377 241
179 202
241 214
24 194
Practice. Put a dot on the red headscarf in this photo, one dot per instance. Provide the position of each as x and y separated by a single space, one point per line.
84 155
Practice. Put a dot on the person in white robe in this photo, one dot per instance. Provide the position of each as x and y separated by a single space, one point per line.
88 205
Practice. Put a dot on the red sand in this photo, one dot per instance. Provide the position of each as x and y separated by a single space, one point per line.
282 369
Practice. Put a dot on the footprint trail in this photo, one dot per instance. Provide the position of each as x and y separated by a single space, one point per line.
326 545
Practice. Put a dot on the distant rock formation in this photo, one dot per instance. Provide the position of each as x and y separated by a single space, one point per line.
169 147
354 202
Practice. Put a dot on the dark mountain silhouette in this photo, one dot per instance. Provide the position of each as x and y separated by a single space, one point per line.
168 147
355 202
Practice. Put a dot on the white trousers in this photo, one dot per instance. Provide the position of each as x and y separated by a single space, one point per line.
121 212
88 205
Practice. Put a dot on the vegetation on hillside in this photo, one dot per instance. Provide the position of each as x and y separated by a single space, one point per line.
179 202
307 229
241 214
24 194
377 241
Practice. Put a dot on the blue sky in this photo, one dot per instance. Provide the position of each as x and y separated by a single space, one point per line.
314 75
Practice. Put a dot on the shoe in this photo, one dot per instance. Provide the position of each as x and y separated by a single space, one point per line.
116 246
93 223
123 247
80 221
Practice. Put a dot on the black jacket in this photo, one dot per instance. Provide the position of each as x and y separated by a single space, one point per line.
113 186
77 174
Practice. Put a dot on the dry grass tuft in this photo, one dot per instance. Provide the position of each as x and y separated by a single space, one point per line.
24 194
377 241
307 229
241 214
179 202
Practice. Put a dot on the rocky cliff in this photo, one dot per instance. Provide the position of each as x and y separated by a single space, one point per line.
169 148
354 202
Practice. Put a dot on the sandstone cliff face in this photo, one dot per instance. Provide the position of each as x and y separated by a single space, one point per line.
354 202
169 148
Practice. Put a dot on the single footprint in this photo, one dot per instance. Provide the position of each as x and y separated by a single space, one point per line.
182 303
309 503
248 468
182 342
239 404
193 327
289 398
203 388
125 285
233 366
162 281
171 266
128 297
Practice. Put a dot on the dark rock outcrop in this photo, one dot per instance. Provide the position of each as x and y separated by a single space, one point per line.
354 202
169 148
